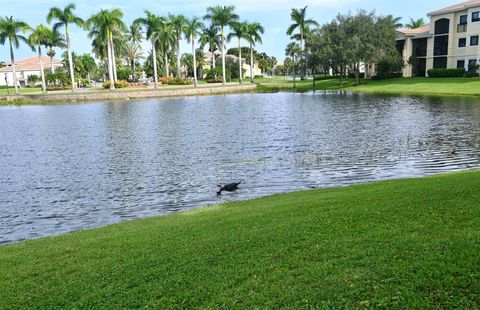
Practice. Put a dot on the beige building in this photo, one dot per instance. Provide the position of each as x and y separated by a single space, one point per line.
451 40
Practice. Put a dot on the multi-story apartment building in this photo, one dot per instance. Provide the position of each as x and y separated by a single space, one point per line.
451 40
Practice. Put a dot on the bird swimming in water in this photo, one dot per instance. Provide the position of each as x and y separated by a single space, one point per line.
232 187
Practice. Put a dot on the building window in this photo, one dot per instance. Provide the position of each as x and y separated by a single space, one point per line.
475 16
442 26
472 62
440 46
463 19
462 42
460 64
473 40
440 63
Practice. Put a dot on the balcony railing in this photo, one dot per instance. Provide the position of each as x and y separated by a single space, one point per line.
461 28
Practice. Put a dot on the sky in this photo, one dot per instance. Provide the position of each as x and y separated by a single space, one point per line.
274 15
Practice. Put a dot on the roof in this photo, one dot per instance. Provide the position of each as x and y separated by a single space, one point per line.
31 64
423 31
456 7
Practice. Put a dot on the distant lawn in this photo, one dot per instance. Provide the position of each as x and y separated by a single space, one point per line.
402 86
411 244
24 90
422 86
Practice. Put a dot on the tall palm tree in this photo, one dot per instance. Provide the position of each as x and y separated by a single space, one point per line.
11 29
153 25
254 35
193 28
106 24
240 32
178 23
38 37
167 40
210 36
134 48
64 18
300 22
222 16
54 39
395 21
415 23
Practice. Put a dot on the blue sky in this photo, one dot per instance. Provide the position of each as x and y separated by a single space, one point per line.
273 14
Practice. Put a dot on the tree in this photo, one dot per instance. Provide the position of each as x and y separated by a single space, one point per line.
415 23
88 64
106 24
293 50
12 30
54 39
38 37
396 21
222 16
254 35
64 18
178 23
193 28
134 48
211 37
239 32
300 22
153 25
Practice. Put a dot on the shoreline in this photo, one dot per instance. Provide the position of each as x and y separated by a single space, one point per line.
403 87
123 94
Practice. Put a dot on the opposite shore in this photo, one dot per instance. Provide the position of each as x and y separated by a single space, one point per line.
461 87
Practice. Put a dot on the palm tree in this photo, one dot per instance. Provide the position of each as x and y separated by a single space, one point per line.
64 18
165 43
88 64
239 32
134 48
37 38
105 24
293 50
300 21
254 34
193 28
10 29
222 16
211 37
414 24
154 25
54 39
395 21
178 23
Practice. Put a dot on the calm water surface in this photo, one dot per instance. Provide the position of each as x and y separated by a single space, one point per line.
72 167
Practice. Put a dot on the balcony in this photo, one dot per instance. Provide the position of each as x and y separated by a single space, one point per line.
461 28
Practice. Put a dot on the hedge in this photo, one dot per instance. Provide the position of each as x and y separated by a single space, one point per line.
443 73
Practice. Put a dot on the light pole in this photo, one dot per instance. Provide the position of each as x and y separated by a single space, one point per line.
6 83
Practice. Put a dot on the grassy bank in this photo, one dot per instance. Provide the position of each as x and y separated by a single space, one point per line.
408 243
23 90
403 86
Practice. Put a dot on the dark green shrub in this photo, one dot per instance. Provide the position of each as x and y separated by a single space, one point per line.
394 75
472 70
444 73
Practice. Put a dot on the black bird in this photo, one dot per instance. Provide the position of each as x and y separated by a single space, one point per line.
232 187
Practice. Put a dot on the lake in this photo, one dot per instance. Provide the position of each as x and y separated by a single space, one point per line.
71 167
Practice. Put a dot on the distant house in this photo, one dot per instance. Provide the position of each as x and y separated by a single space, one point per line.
245 65
25 68
451 40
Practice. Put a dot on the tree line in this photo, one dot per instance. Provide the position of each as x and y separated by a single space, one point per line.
118 46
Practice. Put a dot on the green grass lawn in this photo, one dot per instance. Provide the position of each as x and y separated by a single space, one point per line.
402 86
407 243
23 90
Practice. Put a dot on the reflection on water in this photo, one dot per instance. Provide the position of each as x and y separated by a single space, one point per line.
71 167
